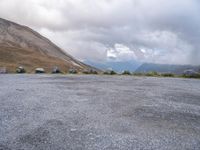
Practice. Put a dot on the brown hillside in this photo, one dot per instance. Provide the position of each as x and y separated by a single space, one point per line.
22 46
12 57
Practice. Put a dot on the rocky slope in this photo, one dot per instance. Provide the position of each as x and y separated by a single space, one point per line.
22 46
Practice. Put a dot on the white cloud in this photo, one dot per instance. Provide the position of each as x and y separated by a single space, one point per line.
121 52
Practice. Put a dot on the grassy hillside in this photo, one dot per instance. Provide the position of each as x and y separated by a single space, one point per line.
12 57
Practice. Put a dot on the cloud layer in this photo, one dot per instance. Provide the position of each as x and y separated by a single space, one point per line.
161 31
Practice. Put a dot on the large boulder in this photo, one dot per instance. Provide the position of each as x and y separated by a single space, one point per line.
73 71
20 69
39 70
56 70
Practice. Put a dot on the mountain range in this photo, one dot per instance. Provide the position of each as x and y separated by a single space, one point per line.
166 68
118 66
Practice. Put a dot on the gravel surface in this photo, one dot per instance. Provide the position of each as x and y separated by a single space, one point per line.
57 112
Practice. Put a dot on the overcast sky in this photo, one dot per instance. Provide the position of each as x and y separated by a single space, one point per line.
161 31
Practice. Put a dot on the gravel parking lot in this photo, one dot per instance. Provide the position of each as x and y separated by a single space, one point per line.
74 112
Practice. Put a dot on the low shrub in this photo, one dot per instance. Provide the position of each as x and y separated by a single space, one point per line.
152 74
167 75
106 73
90 71
110 72
113 72
126 72
138 74
197 75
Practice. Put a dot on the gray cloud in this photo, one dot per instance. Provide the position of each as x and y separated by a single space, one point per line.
162 31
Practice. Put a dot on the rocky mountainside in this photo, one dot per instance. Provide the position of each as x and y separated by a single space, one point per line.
22 46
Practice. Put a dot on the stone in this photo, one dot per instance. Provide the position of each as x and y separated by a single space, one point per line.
39 70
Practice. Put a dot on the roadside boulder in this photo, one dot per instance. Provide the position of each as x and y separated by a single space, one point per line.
73 71
20 69
39 70
3 70
56 70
